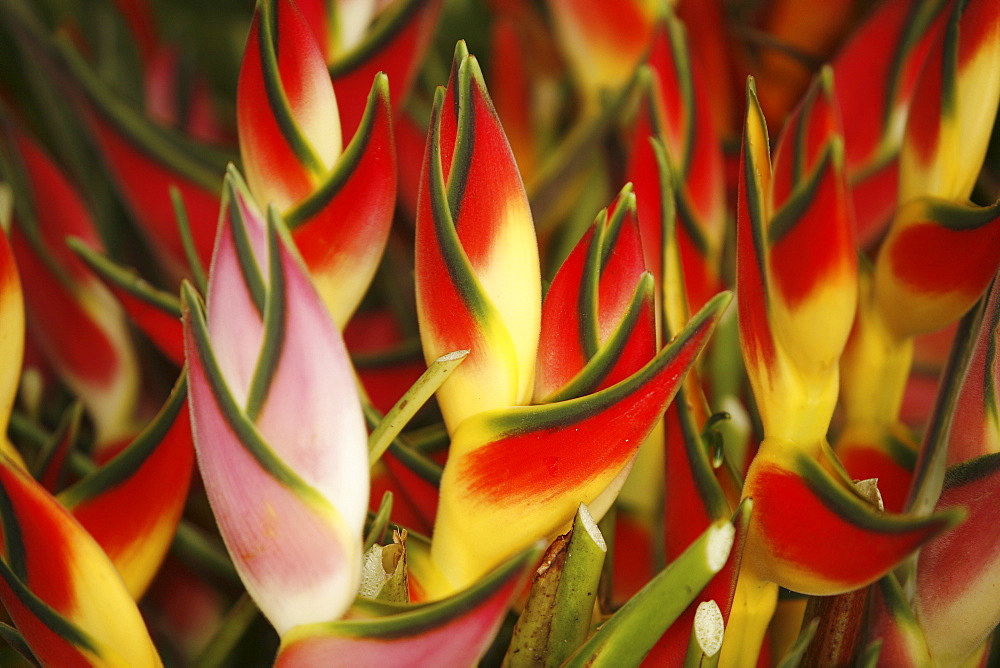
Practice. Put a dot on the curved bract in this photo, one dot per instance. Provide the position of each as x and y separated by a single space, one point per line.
339 201
814 534
58 586
530 467
453 631
278 429
598 318
477 274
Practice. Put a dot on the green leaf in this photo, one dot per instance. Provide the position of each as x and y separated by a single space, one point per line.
556 618
407 406
632 631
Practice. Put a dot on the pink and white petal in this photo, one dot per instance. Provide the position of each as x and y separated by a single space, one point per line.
311 415
295 554
957 572
236 287
455 631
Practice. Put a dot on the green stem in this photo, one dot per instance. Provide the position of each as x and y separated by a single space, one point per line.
397 417
630 633
227 637
557 616
706 636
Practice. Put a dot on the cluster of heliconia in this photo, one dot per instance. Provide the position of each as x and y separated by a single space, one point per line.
316 352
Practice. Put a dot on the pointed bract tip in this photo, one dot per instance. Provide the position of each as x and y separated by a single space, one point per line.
380 85
190 300
461 52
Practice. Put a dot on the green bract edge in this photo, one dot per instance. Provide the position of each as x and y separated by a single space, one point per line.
268 35
597 368
518 420
243 429
349 159
125 278
844 503
412 620
55 622
132 458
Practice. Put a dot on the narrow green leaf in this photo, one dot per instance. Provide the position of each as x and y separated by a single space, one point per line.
632 631
125 278
198 274
794 656
422 390
13 637
557 616
379 523
220 647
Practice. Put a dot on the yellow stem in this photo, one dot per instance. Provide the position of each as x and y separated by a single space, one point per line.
874 367
753 607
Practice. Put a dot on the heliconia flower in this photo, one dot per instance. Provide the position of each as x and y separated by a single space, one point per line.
891 621
889 48
72 317
478 280
59 587
851 545
530 467
278 430
675 109
796 264
599 327
338 25
795 480
455 631
132 504
937 260
396 47
338 204
598 318
948 131
603 42
954 571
